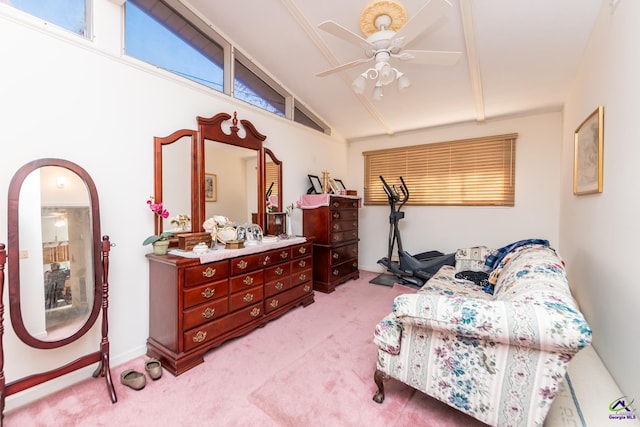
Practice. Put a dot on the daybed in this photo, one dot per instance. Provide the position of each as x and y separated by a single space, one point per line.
498 357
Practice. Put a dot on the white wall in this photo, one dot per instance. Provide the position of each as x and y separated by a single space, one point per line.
65 97
599 232
535 214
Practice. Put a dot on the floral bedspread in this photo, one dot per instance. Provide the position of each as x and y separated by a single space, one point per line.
499 358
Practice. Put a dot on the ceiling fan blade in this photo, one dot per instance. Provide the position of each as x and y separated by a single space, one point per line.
429 57
430 13
338 30
342 67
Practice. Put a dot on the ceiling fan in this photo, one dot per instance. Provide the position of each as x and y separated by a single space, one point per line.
384 24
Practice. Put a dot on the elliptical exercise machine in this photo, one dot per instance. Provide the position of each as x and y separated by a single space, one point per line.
412 270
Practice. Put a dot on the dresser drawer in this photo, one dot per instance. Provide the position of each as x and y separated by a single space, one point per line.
301 277
274 302
344 225
276 256
301 264
246 281
344 215
246 263
205 313
343 203
203 334
206 273
344 253
301 250
277 286
343 236
245 298
277 272
343 269
204 293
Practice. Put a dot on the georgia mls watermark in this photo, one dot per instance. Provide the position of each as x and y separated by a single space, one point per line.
621 409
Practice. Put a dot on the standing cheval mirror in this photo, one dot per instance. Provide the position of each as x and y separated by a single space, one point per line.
58 268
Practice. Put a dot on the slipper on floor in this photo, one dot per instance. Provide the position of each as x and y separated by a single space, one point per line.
153 368
134 379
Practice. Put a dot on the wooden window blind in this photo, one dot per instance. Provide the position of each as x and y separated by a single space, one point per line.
470 172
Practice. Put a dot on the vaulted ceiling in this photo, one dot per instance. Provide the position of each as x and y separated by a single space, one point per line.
518 57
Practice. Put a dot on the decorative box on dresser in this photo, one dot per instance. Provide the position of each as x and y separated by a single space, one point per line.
195 306
332 221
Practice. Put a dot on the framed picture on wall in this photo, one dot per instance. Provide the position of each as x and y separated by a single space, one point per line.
210 187
588 151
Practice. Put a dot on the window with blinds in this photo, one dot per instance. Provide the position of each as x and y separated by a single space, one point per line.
470 172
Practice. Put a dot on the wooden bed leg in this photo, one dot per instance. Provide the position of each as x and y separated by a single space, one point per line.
379 377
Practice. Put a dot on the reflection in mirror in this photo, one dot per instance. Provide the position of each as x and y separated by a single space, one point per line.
273 181
176 181
56 249
237 181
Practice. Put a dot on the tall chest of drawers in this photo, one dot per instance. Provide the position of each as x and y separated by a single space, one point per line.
332 221
194 306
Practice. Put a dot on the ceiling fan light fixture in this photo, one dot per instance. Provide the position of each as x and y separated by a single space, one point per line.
360 83
403 81
386 74
377 92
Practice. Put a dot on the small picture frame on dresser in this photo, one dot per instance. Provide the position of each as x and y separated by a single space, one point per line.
316 185
335 189
341 184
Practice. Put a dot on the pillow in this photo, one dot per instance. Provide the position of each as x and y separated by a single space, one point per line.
472 259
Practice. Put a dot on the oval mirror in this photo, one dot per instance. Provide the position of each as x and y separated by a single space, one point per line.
55 270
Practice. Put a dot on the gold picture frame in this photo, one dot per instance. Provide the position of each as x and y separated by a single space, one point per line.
588 154
210 187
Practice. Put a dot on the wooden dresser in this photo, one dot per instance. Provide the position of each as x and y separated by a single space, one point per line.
196 306
332 221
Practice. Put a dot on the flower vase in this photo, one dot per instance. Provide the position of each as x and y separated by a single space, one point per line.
289 228
160 247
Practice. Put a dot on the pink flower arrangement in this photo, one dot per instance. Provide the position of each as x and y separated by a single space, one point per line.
160 213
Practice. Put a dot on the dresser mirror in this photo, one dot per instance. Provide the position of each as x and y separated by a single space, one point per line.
176 177
236 181
273 181
58 266
223 146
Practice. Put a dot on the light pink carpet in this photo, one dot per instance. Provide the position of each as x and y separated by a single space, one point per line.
312 367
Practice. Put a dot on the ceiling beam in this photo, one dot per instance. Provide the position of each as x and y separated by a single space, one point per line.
469 30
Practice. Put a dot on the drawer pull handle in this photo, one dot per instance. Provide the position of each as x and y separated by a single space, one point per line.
208 313
336 238
302 263
208 293
354 250
355 264
336 255
336 272
248 280
302 277
354 224
242 264
303 250
336 215
267 260
354 204
306 288
248 298
274 303
200 336
284 255
255 312
336 204
279 271
209 272
279 286
336 227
